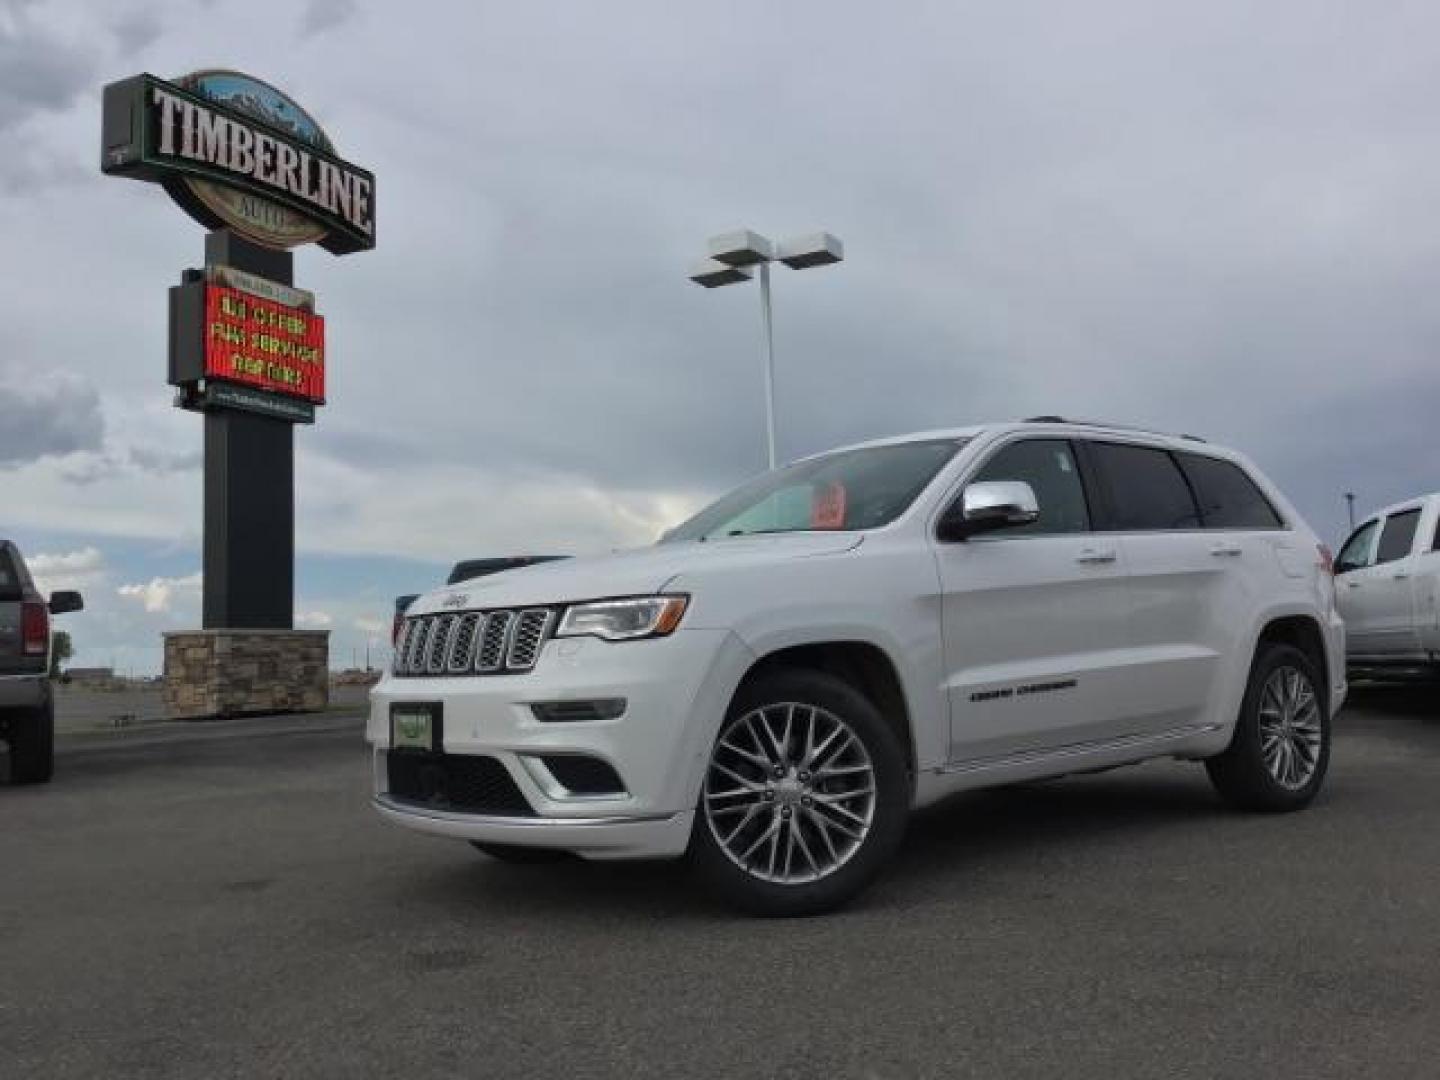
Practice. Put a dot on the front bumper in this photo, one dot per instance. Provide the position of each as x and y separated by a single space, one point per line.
676 691
617 837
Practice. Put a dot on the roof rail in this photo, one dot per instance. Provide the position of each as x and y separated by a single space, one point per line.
1050 419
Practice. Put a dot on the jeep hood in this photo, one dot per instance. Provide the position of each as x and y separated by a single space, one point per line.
627 573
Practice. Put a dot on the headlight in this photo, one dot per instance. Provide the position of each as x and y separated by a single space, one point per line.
623 620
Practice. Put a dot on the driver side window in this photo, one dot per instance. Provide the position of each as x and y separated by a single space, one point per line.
1359 550
1049 467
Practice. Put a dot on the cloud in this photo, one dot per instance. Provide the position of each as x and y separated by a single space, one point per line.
41 70
1187 222
136 30
371 627
78 569
314 620
161 595
46 415
322 16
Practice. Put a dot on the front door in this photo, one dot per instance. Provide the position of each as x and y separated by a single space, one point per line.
1375 587
1035 617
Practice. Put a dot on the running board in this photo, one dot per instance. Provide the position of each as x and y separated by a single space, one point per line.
1075 750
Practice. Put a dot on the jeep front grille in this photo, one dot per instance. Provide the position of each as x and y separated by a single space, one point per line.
473 642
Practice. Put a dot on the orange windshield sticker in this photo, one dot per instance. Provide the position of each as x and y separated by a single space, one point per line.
827 507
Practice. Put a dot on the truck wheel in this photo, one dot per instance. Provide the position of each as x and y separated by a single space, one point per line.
511 853
32 746
1280 751
805 796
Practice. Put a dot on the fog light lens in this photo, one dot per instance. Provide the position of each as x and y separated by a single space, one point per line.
578 712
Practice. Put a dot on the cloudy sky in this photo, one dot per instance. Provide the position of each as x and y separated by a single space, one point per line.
1212 217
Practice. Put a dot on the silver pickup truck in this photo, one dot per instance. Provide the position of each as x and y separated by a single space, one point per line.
27 708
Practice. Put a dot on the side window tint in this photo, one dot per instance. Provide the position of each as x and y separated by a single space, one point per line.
1397 536
1359 550
9 581
1048 466
1228 498
1147 490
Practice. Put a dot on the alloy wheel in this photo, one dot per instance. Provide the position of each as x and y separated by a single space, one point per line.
1291 731
789 793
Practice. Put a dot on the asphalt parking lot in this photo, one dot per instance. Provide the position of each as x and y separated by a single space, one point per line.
221 902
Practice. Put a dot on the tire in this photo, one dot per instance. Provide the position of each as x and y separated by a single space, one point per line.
32 745
1280 752
814 841
520 856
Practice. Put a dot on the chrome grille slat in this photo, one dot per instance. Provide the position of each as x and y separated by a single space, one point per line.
525 643
417 645
435 647
402 647
500 642
491 655
462 643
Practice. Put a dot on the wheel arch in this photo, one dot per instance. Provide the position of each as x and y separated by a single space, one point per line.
863 665
1301 631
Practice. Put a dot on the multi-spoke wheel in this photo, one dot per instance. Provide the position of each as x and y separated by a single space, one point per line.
1281 747
805 795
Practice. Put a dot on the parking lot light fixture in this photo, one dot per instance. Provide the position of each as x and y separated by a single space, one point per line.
735 256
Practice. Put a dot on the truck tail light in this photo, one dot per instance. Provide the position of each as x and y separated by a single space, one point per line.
395 628
1327 560
34 628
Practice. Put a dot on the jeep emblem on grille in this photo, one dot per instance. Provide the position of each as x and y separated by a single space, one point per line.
456 599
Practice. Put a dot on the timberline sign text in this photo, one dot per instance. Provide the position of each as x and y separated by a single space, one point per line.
155 130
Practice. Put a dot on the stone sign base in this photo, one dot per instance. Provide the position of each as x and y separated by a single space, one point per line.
216 673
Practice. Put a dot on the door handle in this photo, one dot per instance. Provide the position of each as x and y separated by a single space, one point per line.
1352 584
1401 575
1096 555
1220 550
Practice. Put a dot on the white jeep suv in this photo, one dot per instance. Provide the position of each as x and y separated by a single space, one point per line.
776 684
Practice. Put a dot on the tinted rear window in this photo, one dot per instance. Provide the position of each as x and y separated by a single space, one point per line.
9 581
1397 536
1146 489
1228 498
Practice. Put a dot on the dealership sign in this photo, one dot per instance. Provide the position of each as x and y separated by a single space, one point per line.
237 153
227 326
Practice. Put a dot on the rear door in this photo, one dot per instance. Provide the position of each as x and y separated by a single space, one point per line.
1184 582
1035 618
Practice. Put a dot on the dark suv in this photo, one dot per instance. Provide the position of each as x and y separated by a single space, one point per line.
27 710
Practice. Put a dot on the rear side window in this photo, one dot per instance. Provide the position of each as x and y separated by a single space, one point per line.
1146 490
1397 536
1048 466
9 580
1359 549
1228 498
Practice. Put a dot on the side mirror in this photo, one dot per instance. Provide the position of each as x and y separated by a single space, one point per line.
63 600
989 505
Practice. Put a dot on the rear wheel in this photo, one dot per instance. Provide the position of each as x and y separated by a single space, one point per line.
1279 754
32 745
527 856
805 796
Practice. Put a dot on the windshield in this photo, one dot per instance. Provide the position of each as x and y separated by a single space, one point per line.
849 489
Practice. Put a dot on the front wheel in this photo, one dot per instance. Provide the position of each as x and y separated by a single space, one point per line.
1279 754
805 796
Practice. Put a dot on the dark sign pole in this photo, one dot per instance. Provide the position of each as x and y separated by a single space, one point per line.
249 557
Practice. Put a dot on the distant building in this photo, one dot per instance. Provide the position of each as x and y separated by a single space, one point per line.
90 676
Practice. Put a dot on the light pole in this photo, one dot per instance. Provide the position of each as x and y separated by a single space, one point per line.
734 257
1350 508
